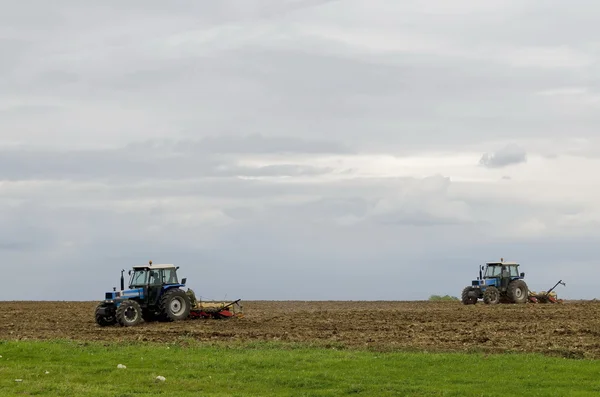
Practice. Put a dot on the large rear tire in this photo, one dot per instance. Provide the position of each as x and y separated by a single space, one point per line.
174 305
466 299
129 313
491 296
102 319
518 292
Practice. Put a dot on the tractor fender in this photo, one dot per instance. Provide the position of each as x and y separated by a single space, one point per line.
170 286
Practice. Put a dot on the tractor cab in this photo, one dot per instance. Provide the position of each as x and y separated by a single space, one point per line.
151 280
499 273
153 275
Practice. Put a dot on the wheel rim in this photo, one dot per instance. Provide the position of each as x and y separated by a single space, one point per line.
176 305
130 314
518 293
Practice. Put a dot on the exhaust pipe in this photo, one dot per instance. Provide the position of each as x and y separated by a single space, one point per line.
122 280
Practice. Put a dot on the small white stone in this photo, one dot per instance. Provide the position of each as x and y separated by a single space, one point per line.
121 366
160 378
47 372
18 380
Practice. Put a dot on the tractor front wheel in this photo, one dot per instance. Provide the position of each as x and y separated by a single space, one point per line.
102 319
129 313
518 292
466 299
491 296
175 305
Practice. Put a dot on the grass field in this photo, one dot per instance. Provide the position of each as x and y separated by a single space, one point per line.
280 369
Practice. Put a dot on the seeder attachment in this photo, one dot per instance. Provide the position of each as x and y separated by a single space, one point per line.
212 309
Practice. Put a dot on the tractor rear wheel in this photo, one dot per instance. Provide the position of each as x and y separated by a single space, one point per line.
129 313
518 292
491 296
466 299
102 319
174 305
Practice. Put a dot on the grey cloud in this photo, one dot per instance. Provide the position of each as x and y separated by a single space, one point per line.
422 202
327 208
272 234
286 170
416 217
240 213
213 157
409 201
273 79
509 155
254 143
16 246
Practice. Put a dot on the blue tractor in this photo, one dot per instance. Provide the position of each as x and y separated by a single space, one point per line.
498 282
154 294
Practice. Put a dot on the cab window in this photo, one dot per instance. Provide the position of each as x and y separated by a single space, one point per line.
155 278
170 276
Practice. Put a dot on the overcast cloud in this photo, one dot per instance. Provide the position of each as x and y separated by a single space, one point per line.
306 149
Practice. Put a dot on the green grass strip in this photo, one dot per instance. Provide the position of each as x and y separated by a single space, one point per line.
277 369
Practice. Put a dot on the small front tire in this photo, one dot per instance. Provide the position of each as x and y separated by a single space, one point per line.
102 319
129 313
491 296
466 299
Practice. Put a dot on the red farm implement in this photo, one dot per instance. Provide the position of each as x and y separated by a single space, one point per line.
211 309
545 296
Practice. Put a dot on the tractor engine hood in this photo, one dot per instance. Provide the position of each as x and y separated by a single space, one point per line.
127 294
484 282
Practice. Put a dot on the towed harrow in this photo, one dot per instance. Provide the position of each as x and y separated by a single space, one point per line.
546 296
212 309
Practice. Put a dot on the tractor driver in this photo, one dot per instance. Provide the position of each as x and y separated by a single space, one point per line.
504 277
154 278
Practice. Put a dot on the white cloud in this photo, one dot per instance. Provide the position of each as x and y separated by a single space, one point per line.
550 57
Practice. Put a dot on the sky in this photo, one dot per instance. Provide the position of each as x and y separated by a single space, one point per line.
298 150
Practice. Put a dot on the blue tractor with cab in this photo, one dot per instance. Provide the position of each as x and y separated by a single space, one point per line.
154 294
498 282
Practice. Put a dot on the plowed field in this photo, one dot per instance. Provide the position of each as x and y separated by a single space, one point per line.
569 329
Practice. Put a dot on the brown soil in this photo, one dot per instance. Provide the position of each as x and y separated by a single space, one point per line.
571 329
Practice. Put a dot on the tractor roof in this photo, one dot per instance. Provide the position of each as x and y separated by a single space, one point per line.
165 266
502 263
